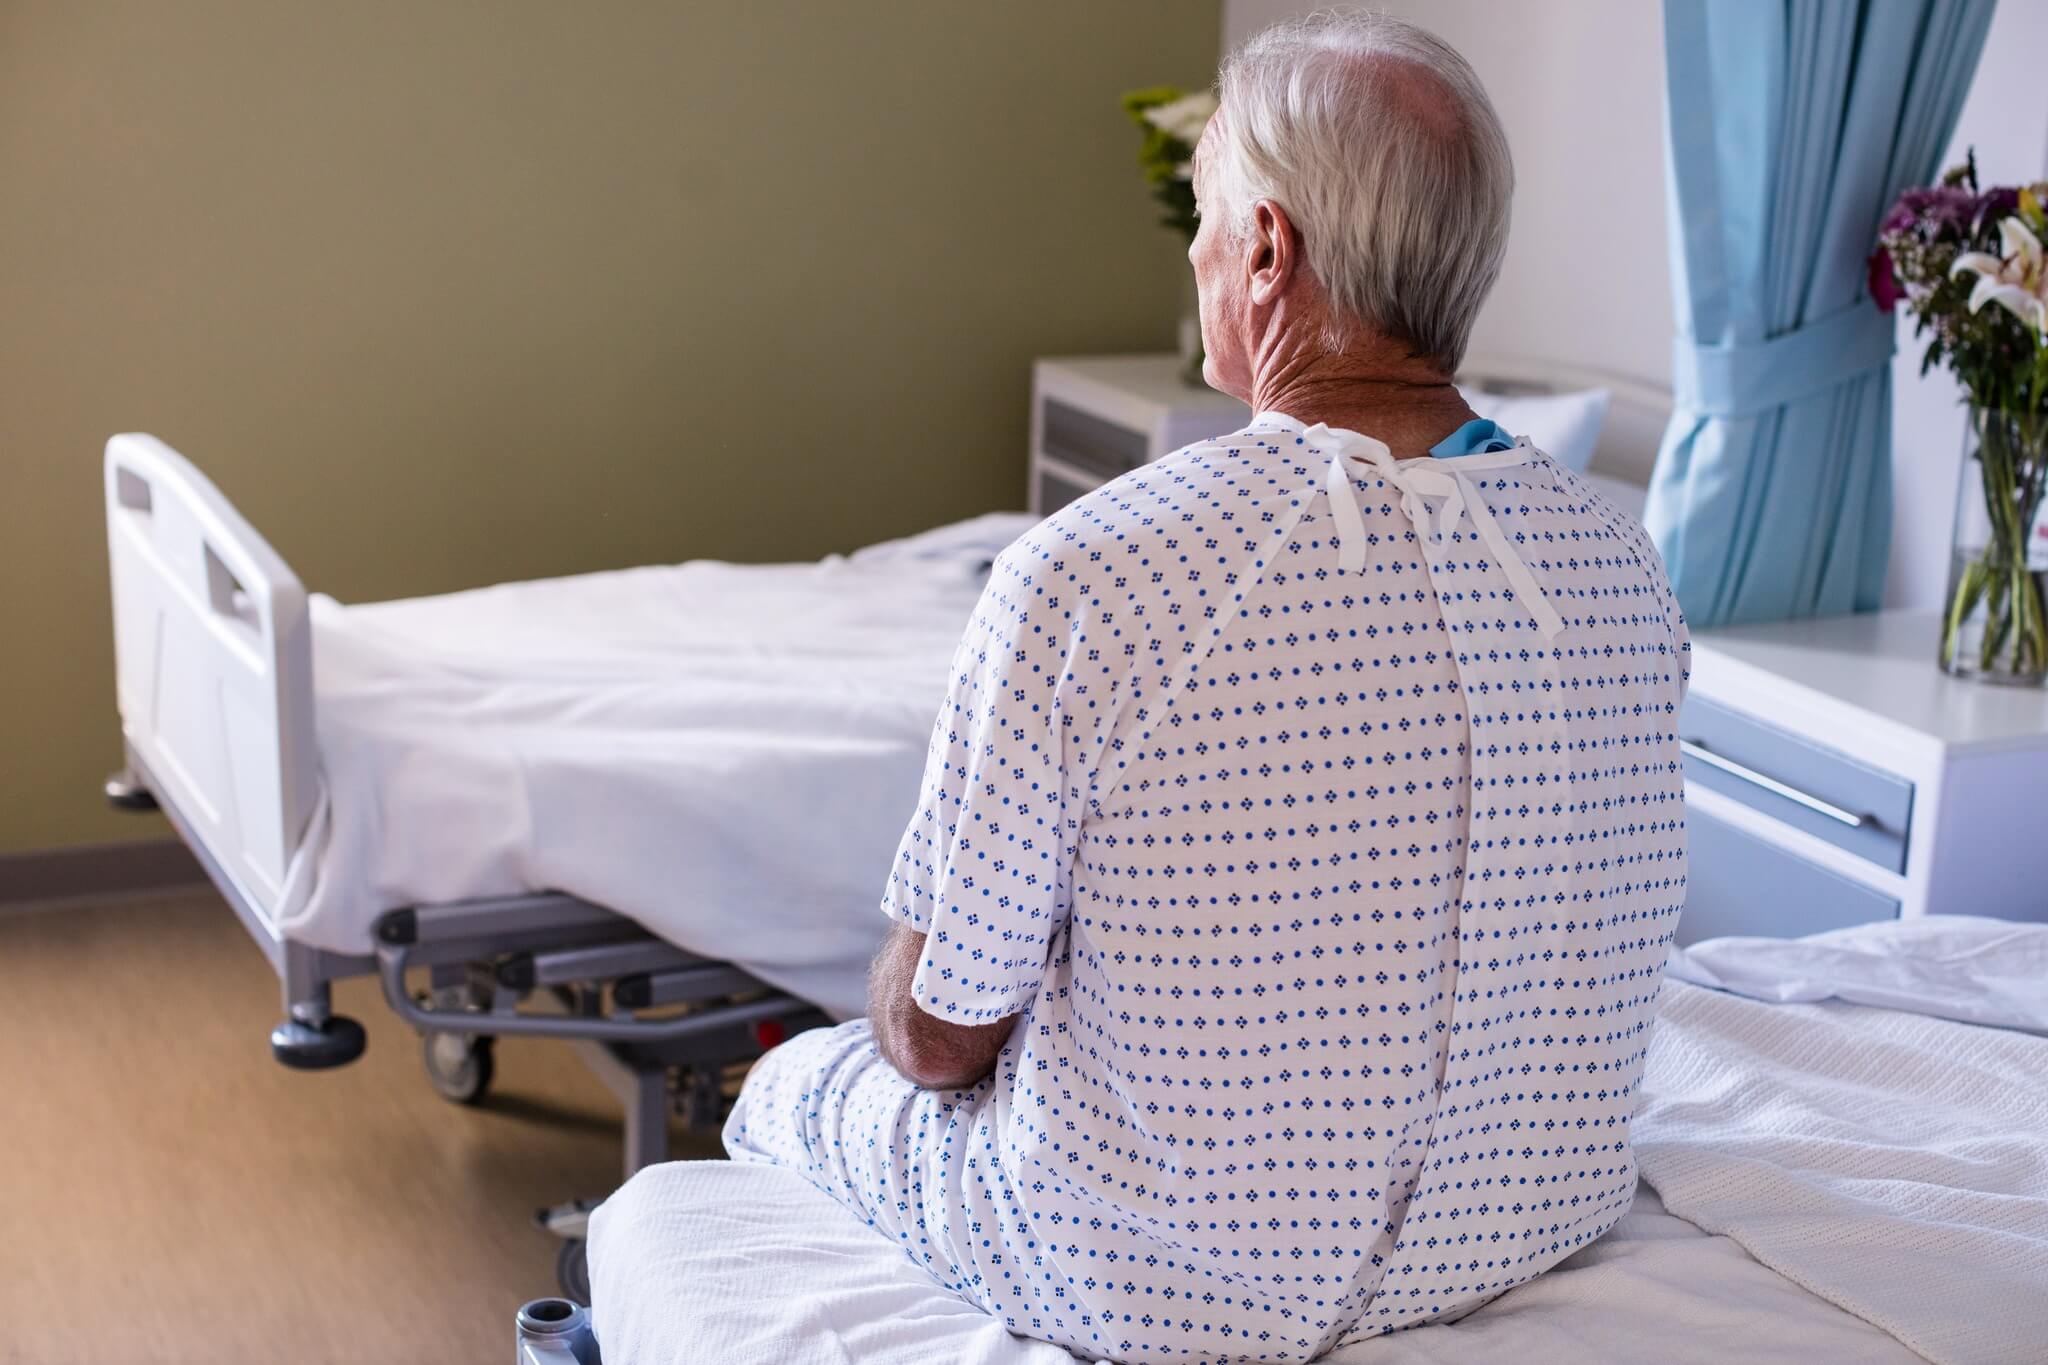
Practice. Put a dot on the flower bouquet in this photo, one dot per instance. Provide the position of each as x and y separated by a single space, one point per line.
1173 120
1946 252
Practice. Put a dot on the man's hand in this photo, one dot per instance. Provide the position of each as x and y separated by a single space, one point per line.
927 1051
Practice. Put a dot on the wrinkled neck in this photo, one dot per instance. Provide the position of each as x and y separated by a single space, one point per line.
1374 389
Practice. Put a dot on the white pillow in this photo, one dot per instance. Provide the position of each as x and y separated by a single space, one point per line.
1564 426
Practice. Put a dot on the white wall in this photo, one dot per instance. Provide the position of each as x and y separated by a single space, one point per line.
1580 86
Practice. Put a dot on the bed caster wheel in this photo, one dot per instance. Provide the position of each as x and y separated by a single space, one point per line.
572 1271
459 1065
126 792
318 1047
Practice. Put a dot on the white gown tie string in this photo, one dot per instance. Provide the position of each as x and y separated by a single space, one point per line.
1418 481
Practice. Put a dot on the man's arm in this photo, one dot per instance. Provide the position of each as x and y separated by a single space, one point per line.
925 1050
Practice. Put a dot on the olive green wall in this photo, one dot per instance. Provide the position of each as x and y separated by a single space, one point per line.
447 293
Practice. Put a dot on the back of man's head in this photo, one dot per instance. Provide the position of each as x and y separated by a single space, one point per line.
1379 142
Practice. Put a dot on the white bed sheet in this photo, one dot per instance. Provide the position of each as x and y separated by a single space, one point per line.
1895 1164
699 1261
1822 1182
726 753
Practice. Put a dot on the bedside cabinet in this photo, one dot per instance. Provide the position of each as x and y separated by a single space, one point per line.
1834 775
1095 417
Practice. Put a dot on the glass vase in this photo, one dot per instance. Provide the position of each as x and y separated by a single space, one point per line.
1996 624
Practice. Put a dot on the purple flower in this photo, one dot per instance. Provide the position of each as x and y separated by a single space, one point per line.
2002 202
1932 210
1884 285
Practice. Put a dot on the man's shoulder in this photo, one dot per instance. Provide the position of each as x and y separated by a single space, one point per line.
1175 488
1139 539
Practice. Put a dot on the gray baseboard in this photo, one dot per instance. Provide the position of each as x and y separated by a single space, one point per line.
96 872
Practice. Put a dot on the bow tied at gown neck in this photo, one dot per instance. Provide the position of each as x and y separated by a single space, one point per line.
1435 494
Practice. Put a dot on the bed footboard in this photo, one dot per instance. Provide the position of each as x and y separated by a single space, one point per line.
213 665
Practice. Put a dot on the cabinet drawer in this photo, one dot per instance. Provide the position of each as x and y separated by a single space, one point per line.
1086 441
1056 490
1857 808
1737 883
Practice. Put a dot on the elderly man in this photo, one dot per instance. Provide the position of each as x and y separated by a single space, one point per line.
1277 936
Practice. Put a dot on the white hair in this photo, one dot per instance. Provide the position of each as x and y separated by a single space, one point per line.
1379 142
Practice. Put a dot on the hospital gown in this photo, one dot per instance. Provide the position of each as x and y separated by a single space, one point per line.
1320 819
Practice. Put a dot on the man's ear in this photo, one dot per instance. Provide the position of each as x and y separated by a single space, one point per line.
1271 253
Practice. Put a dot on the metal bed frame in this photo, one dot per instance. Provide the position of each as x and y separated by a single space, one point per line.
587 973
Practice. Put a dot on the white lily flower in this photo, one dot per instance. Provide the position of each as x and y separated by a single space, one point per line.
1184 118
2018 280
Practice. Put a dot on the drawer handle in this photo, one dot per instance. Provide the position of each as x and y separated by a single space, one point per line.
1771 784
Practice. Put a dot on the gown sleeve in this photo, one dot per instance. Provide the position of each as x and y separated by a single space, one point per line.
983 869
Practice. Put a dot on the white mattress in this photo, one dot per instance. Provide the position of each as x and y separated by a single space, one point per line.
726 753
715 1261
1836 1167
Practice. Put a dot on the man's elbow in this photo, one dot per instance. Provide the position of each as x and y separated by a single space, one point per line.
934 1055
937 1064
938 1074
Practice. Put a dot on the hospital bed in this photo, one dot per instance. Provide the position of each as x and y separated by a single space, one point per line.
641 811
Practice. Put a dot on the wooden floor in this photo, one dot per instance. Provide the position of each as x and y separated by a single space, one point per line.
169 1193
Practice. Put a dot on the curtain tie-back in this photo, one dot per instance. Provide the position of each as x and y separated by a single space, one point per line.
1749 377
1418 481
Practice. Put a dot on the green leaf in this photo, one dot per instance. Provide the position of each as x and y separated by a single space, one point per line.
1136 102
2031 209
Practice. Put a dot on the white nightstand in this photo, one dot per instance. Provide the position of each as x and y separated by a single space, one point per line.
1835 775
1095 417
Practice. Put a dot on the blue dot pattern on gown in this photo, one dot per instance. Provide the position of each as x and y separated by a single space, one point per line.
1333 905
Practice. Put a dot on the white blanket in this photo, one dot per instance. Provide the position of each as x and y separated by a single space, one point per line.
726 753
1892 1163
1964 967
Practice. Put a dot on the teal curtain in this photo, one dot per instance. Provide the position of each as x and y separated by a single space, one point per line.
1792 124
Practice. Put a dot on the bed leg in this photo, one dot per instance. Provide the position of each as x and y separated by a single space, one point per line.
336 1041
646 1120
643 1093
312 1037
126 791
